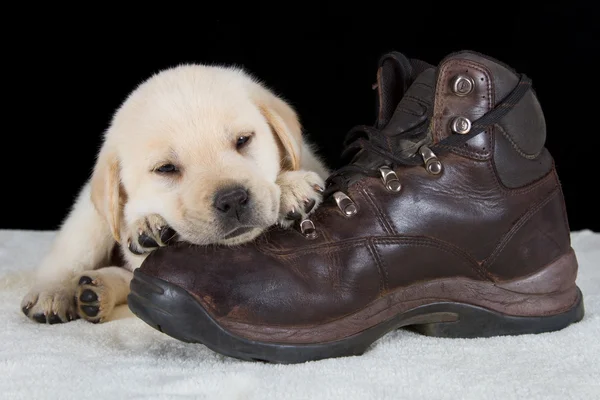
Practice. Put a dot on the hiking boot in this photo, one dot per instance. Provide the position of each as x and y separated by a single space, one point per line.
448 218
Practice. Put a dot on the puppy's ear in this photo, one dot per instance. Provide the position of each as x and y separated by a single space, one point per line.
107 193
285 124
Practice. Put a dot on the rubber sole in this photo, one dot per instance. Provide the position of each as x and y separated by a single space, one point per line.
173 311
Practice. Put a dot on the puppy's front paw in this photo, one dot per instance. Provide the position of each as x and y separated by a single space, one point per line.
93 297
50 303
301 194
149 233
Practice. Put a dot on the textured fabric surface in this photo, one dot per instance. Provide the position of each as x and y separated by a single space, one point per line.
127 359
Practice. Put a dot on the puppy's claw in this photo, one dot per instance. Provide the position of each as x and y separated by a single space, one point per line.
27 308
85 280
309 205
41 318
54 319
318 189
133 249
166 234
294 215
146 241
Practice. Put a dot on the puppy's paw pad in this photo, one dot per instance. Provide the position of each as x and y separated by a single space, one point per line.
92 298
301 194
149 233
51 304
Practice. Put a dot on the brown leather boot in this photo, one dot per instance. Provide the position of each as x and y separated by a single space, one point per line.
449 218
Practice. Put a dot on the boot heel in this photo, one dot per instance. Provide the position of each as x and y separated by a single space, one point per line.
473 321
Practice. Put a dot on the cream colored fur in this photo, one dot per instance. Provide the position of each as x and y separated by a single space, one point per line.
190 116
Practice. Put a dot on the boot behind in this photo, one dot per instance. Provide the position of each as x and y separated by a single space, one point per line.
521 178
449 218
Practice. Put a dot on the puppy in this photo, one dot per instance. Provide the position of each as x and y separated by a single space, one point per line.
196 153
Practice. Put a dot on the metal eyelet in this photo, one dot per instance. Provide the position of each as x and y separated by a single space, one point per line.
432 163
462 85
345 204
308 229
390 179
461 125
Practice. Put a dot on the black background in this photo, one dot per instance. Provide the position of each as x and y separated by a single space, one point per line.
67 71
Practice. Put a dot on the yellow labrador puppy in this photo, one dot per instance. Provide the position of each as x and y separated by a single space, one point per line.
203 154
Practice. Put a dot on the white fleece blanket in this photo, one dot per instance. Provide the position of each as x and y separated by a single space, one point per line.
127 359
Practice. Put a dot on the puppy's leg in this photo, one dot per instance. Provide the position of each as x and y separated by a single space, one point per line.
83 243
301 194
98 292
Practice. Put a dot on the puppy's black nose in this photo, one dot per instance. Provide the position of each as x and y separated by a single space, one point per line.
231 201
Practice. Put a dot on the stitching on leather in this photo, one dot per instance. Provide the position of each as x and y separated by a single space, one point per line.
516 146
377 214
516 191
333 258
379 94
370 196
334 269
417 241
434 243
475 155
522 220
562 203
383 274
438 105
323 249
406 110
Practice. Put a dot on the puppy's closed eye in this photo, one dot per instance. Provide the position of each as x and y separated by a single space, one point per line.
167 169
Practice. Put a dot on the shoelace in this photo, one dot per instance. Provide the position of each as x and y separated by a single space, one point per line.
367 139
370 140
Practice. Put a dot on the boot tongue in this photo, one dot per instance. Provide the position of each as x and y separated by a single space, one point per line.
395 75
413 110
406 90
405 101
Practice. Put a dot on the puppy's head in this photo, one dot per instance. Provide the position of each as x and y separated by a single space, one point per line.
202 147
